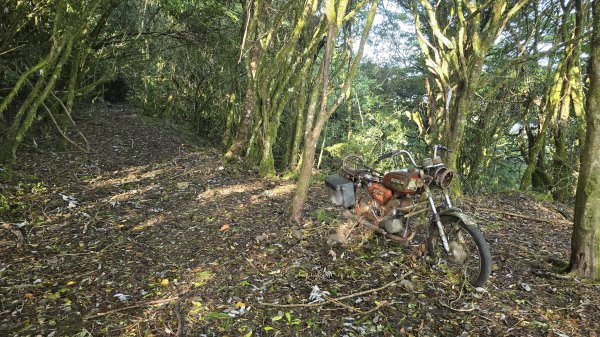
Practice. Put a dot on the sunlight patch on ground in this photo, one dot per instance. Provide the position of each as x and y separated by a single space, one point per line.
279 191
133 174
128 194
228 190
148 223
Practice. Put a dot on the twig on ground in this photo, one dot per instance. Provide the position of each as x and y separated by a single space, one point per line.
139 305
456 309
565 222
349 307
379 306
333 300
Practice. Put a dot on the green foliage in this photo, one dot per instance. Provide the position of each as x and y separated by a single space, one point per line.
4 205
541 197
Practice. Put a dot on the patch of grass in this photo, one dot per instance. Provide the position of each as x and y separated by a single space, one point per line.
494 225
320 176
324 216
202 278
38 189
290 175
4 205
540 197
6 173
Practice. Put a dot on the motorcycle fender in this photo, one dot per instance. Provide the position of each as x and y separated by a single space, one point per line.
457 213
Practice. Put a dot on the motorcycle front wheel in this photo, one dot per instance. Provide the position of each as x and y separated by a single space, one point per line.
469 258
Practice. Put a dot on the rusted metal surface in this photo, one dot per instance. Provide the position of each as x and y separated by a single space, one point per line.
380 193
363 221
404 181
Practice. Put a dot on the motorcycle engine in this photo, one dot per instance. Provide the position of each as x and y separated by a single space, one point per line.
397 208
393 225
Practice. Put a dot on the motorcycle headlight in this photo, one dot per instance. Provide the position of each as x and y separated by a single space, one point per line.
442 177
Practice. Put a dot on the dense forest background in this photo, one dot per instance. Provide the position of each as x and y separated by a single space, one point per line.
503 82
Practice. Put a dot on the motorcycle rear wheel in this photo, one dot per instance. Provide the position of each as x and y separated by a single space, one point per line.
470 257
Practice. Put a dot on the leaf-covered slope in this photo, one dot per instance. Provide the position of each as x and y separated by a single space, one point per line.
153 235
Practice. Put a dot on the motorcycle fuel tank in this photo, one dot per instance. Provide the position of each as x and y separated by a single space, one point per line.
380 193
403 181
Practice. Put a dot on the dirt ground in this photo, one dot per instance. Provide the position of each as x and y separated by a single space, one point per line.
152 234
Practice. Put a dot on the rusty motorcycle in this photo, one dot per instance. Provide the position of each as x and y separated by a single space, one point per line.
401 205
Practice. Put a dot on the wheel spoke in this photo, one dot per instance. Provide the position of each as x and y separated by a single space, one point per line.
466 248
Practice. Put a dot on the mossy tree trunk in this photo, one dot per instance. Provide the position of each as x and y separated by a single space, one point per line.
585 241
316 119
570 101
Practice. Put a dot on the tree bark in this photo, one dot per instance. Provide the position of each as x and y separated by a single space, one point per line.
241 137
585 241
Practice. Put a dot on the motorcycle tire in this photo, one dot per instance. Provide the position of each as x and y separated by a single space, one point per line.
471 256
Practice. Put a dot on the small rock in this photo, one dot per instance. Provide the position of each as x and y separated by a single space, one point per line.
408 285
333 254
183 185
298 234
336 238
262 238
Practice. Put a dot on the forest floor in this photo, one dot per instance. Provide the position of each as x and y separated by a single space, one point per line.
151 234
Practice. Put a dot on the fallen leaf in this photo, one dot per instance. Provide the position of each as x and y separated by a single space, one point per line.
122 297
224 228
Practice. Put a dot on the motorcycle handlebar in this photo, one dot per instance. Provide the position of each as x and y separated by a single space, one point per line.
395 153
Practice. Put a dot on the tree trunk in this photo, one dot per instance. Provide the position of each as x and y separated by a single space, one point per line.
294 151
28 111
250 100
322 148
313 129
570 97
242 134
585 242
551 110
454 135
